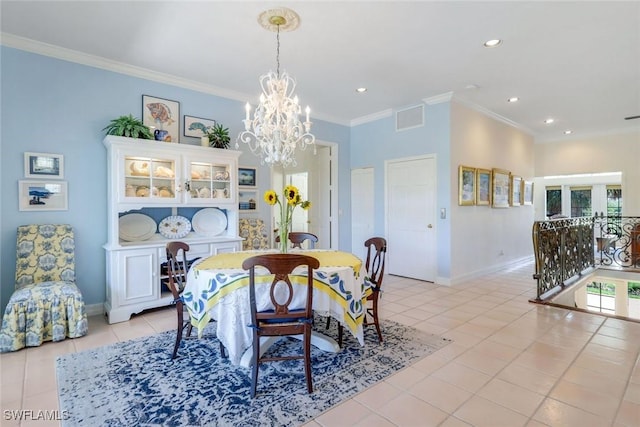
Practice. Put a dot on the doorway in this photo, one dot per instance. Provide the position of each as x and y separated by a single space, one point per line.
316 178
410 212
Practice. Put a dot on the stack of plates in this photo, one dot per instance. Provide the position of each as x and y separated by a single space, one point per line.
174 227
209 222
136 227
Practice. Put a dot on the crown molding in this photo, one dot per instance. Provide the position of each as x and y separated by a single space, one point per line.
493 115
438 99
70 55
371 117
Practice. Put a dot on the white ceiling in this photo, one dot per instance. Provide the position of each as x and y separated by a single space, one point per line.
578 62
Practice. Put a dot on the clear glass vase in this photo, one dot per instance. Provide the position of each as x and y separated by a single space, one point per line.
283 233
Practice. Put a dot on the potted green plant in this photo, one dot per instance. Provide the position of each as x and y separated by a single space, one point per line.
128 126
218 136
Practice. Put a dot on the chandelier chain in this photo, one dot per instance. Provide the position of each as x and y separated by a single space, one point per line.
278 52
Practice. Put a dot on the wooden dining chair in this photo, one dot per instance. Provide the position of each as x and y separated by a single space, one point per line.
297 238
177 268
282 319
374 266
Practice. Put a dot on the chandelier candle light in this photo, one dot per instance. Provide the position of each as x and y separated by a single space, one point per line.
290 199
275 131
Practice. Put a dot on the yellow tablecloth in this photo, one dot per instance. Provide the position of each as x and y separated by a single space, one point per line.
326 258
217 287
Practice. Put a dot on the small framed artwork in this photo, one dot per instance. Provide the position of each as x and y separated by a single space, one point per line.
516 191
466 186
42 195
43 165
527 192
163 118
483 187
247 177
500 188
196 126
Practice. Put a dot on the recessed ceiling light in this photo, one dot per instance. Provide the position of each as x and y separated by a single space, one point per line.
568 132
513 99
361 89
549 121
492 43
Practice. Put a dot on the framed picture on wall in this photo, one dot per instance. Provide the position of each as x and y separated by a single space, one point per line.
501 188
42 195
466 186
516 190
527 192
43 166
196 126
483 187
247 177
163 118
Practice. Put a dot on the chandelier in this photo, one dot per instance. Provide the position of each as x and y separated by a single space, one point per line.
275 130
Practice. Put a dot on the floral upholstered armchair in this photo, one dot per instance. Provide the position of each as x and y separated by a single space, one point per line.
46 305
254 233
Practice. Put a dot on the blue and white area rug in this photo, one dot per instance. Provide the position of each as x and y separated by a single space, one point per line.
136 383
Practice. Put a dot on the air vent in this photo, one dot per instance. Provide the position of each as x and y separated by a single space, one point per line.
410 118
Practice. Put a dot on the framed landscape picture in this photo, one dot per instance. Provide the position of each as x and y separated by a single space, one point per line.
247 177
483 187
501 188
516 190
43 165
42 195
466 186
527 192
163 118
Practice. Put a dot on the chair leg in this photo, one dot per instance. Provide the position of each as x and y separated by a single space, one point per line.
328 322
178 330
307 357
376 322
255 364
339 335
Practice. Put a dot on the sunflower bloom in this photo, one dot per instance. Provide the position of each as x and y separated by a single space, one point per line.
271 197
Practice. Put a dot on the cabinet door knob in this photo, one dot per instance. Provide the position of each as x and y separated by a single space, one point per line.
430 226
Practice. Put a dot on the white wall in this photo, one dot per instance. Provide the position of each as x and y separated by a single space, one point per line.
482 237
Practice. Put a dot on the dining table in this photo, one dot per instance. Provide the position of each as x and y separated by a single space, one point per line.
218 288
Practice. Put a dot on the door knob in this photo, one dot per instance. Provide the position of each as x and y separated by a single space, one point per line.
429 226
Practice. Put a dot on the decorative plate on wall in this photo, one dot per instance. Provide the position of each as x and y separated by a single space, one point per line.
174 227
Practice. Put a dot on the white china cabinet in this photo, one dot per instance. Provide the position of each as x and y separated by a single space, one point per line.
158 192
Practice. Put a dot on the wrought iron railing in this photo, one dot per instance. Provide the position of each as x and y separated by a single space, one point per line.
618 241
567 248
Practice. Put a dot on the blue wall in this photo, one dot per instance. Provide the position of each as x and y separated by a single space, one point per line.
55 106
373 143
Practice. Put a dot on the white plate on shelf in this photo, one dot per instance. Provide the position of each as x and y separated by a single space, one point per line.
174 227
209 222
135 227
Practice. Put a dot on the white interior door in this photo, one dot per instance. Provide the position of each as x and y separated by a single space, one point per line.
362 196
410 201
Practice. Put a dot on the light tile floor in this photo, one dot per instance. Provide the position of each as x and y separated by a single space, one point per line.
512 363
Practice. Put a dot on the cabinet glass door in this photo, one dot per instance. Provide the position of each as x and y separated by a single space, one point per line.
149 179
210 182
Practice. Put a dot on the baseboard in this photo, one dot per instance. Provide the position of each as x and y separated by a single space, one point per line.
491 269
94 309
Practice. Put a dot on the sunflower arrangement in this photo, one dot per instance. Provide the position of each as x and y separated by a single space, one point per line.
290 200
